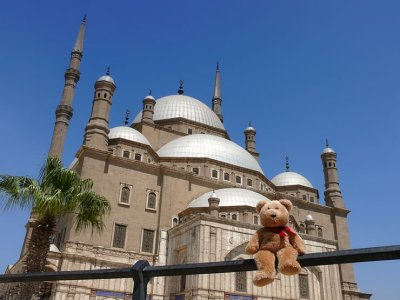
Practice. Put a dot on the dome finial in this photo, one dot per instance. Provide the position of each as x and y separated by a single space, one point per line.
217 66
249 123
326 143
108 71
150 92
84 18
127 117
287 163
180 91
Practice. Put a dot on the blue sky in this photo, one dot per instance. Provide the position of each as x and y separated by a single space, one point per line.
300 71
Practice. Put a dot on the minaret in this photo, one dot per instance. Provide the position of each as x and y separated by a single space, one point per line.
250 141
96 131
310 224
148 108
213 205
64 109
217 100
333 194
333 198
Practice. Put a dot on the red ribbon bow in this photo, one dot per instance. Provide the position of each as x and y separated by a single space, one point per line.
283 230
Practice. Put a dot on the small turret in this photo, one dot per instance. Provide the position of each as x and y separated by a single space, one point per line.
250 141
332 193
148 108
310 224
213 207
96 132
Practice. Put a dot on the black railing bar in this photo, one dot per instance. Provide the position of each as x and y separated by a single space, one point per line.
307 260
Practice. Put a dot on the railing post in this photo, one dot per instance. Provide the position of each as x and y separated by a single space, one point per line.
139 281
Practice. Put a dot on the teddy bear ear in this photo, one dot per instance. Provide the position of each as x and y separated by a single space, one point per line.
260 205
286 203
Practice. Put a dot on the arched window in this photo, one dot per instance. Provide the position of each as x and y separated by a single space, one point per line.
174 222
304 197
214 174
126 154
105 95
240 281
138 156
249 182
151 200
234 217
226 176
319 232
125 193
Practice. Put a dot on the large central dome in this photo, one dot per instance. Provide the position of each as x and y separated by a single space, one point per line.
181 106
210 146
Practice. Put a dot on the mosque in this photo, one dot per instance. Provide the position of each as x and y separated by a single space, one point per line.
182 192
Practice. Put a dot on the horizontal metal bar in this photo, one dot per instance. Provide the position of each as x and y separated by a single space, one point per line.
307 260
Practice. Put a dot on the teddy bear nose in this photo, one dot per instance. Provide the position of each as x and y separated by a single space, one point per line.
273 215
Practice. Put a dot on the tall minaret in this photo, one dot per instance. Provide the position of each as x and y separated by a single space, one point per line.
217 100
96 131
332 193
64 109
333 198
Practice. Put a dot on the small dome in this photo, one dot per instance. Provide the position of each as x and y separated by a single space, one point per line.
213 195
210 146
230 197
309 217
127 133
106 78
149 97
328 150
250 128
290 178
182 106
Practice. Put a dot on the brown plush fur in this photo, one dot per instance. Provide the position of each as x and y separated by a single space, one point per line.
266 245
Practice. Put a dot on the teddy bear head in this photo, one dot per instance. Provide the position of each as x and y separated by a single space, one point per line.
274 213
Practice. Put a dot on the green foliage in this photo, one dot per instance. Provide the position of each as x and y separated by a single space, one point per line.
57 192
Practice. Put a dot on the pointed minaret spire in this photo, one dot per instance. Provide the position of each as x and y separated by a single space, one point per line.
180 91
287 163
79 39
127 117
64 109
217 99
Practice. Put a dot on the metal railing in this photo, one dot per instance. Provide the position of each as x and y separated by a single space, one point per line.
141 272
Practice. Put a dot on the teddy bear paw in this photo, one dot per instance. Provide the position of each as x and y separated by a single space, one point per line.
290 268
262 278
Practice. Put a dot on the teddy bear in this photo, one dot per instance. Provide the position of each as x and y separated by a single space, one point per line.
275 239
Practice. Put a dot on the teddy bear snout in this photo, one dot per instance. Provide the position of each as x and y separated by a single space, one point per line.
273 214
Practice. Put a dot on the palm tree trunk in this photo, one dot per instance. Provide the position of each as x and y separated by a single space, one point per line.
36 257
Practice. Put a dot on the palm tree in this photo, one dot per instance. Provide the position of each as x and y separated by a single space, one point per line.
58 192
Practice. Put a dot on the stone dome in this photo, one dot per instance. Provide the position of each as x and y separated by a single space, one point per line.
127 133
291 178
210 146
181 106
230 197
106 78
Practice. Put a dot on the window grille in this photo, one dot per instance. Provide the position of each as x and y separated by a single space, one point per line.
138 156
147 240
151 200
240 281
125 193
126 154
119 236
303 286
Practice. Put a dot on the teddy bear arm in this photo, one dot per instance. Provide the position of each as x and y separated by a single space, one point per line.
298 244
253 245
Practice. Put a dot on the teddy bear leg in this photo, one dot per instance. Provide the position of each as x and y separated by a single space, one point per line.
265 261
287 261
